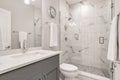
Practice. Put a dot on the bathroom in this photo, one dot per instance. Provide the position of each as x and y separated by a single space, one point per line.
59 40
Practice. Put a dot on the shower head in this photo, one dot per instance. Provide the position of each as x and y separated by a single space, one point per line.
81 2
69 18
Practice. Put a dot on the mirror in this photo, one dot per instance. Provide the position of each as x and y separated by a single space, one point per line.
17 18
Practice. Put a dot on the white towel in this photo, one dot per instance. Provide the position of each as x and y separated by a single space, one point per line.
113 47
53 35
22 39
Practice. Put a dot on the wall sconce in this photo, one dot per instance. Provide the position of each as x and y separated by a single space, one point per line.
27 2
32 0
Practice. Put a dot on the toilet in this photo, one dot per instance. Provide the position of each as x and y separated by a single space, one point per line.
69 71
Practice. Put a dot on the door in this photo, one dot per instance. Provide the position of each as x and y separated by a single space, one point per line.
5 29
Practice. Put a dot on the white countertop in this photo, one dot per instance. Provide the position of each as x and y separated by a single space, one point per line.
15 61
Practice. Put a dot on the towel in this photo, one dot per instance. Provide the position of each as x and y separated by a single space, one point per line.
53 35
113 47
22 39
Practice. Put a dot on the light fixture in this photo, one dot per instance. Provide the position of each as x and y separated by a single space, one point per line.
27 2
85 8
32 0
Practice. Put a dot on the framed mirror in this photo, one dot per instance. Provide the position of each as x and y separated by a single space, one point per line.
20 16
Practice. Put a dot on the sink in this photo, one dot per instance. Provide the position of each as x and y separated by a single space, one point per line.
29 54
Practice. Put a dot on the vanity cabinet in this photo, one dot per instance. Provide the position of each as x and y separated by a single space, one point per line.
39 76
47 69
52 75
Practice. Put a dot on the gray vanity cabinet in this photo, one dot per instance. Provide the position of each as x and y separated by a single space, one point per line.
38 76
52 75
47 69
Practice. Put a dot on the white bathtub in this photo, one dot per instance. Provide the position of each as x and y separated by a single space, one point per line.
92 76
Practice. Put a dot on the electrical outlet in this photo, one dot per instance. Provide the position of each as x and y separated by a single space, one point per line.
101 40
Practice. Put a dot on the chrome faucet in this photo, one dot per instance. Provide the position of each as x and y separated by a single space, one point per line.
24 46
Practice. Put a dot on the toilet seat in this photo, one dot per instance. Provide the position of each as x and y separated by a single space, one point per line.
68 67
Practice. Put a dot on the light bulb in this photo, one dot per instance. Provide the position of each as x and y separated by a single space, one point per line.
27 2
32 0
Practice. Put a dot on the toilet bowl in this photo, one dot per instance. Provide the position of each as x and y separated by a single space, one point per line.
69 71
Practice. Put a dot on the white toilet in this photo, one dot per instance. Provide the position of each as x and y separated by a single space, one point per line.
69 71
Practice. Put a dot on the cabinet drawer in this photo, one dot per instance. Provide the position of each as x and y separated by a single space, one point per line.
38 76
52 75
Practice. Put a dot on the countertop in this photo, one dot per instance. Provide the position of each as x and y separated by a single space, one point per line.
18 60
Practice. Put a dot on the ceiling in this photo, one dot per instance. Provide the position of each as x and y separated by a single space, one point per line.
73 1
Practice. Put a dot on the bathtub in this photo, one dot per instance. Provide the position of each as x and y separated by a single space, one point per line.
82 75
92 73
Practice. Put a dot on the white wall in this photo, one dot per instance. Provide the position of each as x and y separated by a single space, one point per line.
46 18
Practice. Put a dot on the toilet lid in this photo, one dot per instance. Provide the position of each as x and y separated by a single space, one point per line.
68 67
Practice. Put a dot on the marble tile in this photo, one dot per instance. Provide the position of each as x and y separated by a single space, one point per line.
80 43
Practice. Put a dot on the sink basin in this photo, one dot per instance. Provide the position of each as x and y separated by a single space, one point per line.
29 54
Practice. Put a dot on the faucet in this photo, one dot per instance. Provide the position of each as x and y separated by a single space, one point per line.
24 46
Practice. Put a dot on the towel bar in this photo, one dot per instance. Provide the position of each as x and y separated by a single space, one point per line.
18 32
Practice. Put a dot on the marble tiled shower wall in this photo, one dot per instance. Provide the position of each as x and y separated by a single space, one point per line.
80 43
64 12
